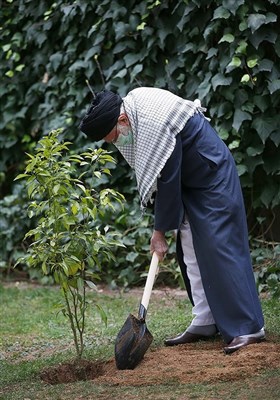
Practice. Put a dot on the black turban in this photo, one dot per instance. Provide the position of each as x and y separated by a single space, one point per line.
102 115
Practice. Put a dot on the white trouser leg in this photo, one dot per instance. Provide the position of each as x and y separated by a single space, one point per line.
201 311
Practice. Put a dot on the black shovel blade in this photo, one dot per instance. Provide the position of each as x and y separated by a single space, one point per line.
132 343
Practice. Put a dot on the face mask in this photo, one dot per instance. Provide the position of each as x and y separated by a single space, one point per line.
125 135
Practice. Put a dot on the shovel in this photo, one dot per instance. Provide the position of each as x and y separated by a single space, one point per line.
134 337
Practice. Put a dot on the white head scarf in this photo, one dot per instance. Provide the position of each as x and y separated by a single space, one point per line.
156 117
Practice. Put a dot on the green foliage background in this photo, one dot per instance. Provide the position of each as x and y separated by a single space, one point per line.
224 52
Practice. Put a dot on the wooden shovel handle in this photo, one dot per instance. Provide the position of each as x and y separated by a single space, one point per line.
150 281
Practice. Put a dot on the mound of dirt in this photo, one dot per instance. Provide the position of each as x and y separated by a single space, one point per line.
189 363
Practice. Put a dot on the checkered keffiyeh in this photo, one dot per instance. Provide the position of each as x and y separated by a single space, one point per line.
156 117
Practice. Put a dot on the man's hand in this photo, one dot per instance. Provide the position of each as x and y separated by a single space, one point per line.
158 244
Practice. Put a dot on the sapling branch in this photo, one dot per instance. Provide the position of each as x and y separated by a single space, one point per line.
72 324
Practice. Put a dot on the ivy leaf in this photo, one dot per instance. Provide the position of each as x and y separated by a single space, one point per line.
242 47
243 26
79 64
131 257
239 117
255 21
275 137
9 73
233 5
163 33
253 162
235 63
228 37
187 10
277 48
224 109
204 87
272 164
121 46
268 194
254 151
252 62
224 135
234 144
121 74
264 127
91 53
212 52
274 86
141 27
271 17
186 47
245 78
67 10
220 80
221 12
263 34
55 60
266 65
241 169
262 102
131 59
120 30
115 67
135 71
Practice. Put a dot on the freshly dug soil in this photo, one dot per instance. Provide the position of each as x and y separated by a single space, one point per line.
81 370
189 363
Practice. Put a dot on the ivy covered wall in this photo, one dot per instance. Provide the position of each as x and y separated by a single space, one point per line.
225 52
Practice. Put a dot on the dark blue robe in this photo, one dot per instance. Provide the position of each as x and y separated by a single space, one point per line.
200 178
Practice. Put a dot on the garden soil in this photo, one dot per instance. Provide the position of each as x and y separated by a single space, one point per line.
195 363
199 362
190 363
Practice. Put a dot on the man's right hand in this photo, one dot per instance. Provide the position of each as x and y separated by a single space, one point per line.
159 244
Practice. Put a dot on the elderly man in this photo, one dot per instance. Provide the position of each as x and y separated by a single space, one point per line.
177 155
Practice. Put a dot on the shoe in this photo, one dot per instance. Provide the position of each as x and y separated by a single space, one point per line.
186 337
241 341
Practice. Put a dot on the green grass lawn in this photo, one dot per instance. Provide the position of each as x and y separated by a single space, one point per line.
33 336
